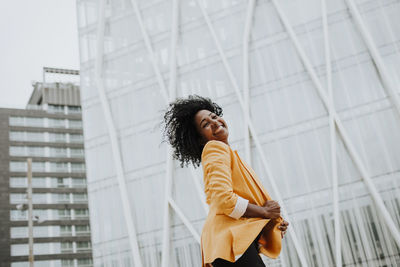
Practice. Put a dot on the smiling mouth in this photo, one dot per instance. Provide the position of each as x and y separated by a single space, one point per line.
219 129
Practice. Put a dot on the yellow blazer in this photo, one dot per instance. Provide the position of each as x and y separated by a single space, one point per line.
227 181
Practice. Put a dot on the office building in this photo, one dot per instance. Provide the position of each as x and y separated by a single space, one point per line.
49 131
299 81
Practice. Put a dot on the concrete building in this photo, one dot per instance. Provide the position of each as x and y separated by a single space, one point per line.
50 132
310 91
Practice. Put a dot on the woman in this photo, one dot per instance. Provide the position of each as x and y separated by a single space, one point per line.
242 220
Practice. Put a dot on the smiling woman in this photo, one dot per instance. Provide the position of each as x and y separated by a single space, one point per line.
242 221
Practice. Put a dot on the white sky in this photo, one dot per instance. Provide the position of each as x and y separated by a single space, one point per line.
34 34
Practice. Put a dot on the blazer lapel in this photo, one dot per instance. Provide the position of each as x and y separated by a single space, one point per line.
253 176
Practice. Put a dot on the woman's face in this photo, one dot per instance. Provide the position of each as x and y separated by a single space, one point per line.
210 126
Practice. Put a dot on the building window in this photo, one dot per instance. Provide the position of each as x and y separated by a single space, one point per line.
58 152
39 198
75 138
55 109
78 182
85 263
34 137
67 263
77 167
16 182
19 232
59 167
77 152
18 215
75 124
81 213
84 245
21 166
17 136
34 122
64 214
18 166
17 121
74 109
82 229
79 198
26 121
56 123
34 151
66 230
66 247
17 198
63 198
17 151
57 137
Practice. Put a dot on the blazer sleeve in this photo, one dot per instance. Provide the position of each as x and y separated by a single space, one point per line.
216 161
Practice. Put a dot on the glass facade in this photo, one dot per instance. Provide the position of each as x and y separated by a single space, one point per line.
310 81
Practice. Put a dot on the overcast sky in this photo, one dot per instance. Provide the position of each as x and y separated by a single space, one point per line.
34 34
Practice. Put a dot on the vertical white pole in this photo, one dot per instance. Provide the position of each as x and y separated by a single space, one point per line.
167 223
332 135
165 260
246 79
30 212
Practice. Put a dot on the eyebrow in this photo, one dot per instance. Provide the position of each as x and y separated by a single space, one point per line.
205 118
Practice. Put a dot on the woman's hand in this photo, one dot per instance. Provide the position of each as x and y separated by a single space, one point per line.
283 227
272 210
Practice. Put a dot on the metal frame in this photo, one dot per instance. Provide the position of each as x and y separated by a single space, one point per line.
113 137
234 83
341 130
388 84
168 96
332 135
246 79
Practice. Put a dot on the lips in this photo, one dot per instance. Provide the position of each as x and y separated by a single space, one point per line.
221 127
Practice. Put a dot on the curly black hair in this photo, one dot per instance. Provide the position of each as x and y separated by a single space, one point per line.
181 131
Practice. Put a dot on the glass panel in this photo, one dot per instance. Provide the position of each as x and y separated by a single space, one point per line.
59 167
66 247
77 152
55 109
77 182
58 152
77 167
57 137
17 151
74 109
56 123
17 121
75 124
75 138
79 198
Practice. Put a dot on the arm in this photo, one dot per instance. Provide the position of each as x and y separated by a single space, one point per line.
216 161
270 210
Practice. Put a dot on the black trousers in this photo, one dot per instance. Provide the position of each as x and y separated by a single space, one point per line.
250 258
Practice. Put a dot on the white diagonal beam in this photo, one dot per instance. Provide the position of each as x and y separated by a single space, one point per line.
128 216
235 86
373 50
342 131
185 221
246 76
332 135
150 50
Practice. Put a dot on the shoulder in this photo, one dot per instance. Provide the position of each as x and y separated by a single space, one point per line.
215 146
